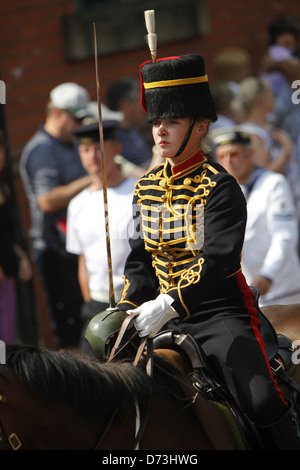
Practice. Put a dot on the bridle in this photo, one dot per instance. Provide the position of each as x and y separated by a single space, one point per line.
145 349
15 442
140 422
12 437
145 345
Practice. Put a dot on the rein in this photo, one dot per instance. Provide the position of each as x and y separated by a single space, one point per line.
146 344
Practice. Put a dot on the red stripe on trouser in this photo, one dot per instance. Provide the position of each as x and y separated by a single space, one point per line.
248 298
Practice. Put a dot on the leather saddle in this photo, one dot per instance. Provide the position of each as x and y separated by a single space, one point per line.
279 350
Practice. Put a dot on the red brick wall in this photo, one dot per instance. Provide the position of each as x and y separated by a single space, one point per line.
33 62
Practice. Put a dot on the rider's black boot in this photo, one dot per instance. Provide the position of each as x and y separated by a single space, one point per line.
284 434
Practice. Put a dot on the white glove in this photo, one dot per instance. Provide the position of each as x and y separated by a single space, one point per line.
153 315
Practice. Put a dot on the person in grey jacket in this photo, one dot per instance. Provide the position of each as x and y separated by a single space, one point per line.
52 174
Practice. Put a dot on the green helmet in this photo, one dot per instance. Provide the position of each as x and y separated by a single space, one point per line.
102 328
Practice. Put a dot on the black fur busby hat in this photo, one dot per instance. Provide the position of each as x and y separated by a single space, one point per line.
176 87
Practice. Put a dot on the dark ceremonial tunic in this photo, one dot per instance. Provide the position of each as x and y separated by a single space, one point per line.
189 229
193 219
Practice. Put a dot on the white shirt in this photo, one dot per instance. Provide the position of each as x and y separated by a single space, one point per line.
86 232
271 238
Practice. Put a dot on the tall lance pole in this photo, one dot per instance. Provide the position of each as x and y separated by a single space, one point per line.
151 39
101 139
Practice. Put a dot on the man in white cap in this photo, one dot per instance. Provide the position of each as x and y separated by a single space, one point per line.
52 174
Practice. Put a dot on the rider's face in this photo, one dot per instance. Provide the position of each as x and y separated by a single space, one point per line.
168 135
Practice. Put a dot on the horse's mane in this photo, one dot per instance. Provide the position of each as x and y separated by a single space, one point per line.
90 388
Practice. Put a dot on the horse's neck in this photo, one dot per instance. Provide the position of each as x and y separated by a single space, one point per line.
41 425
119 432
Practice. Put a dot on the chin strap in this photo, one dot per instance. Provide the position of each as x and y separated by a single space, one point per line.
186 138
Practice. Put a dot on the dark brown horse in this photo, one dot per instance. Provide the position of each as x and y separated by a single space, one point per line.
57 400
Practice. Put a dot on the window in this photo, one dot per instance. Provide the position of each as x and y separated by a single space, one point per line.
120 24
